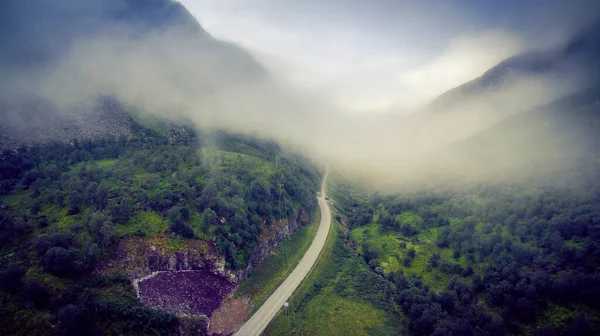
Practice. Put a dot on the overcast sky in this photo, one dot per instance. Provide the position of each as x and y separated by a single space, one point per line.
370 54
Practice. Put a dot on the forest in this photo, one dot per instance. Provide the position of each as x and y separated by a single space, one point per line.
489 258
64 208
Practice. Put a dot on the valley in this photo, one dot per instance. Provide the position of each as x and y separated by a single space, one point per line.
245 168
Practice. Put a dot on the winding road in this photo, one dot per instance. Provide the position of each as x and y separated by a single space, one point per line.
259 321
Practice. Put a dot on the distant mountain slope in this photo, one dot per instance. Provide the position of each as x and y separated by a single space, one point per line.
559 135
35 32
555 141
579 57
38 36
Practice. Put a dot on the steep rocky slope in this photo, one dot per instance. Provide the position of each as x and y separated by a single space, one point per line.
39 38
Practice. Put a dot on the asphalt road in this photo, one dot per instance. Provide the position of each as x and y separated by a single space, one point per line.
259 321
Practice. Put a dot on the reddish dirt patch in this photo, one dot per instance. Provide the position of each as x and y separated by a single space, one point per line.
185 292
230 316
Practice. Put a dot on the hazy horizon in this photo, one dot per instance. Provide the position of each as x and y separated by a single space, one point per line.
384 54
381 55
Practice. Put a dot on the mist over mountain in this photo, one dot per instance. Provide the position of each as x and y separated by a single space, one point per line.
36 33
39 39
574 61
155 58
159 162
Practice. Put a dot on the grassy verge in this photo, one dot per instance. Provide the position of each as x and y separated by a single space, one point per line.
341 296
265 279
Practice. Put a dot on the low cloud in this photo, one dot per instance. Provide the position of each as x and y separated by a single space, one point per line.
179 75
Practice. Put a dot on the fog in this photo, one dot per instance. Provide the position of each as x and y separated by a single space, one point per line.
183 74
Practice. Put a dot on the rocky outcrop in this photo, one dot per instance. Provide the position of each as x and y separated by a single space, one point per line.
270 237
185 292
189 278
38 123
139 257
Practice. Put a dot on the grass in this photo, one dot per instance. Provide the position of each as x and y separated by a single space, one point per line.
328 301
201 229
227 160
101 164
408 217
149 223
16 321
391 255
578 243
17 199
48 280
107 163
174 242
557 315
331 314
67 222
270 273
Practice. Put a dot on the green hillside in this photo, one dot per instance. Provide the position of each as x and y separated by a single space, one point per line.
499 259
65 209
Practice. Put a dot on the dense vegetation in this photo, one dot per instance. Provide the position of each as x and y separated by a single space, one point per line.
487 259
64 207
517 253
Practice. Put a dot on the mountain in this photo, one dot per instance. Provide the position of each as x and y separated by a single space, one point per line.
38 32
576 59
39 39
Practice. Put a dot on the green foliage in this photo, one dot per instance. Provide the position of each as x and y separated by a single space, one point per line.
501 254
272 271
341 296
70 204
144 223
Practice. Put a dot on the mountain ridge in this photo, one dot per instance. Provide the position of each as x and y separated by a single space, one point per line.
578 54
38 37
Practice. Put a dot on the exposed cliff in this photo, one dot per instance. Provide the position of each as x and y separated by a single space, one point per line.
188 277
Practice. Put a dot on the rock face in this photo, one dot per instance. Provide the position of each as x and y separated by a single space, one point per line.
190 278
140 257
270 237
185 292
230 315
38 46
30 124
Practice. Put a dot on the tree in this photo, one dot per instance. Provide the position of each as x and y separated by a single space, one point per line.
73 203
10 278
107 232
120 210
209 216
43 222
525 310
96 221
581 326
435 260
62 262
368 253
36 206
181 228
456 254
35 294
75 320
